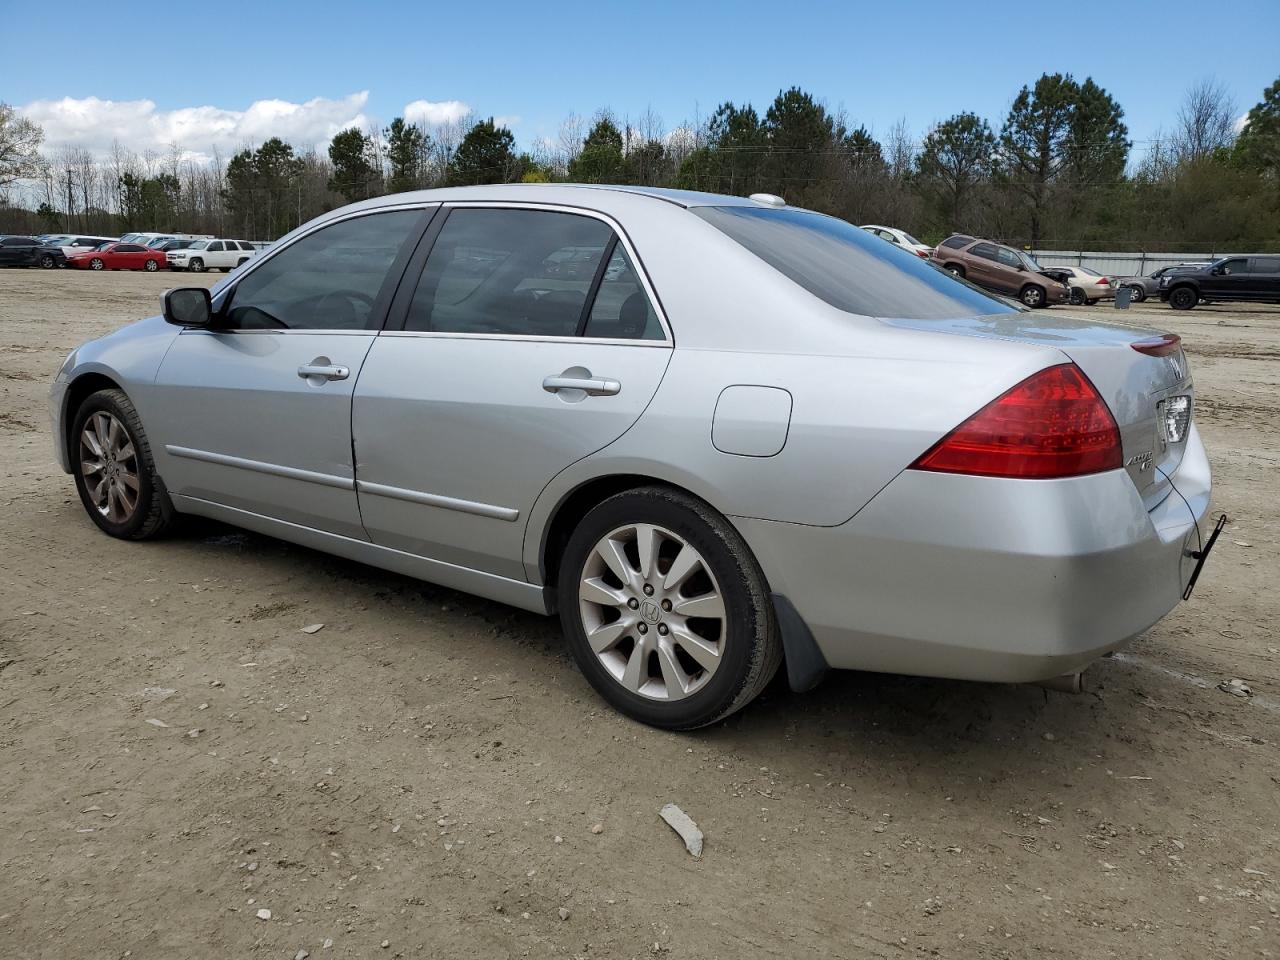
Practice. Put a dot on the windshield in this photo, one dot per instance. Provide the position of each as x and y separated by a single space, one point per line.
1028 260
104 246
849 268
199 245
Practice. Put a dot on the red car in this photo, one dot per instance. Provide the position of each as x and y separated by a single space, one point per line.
119 256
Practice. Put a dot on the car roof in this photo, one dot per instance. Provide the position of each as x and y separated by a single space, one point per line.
587 194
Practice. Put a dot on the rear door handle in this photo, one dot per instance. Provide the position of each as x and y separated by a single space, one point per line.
323 371
591 386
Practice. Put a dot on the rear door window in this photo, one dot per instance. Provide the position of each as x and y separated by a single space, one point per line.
621 309
503 271
848 268
985 250
1265 265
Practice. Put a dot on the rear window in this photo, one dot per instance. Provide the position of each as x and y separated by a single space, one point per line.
848 268
955 243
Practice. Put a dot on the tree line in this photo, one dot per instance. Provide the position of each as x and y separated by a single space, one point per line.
1059 170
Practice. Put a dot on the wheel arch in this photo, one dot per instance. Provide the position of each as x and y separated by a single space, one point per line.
576 504
78 391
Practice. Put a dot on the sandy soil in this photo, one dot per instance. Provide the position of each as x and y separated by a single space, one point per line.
421 777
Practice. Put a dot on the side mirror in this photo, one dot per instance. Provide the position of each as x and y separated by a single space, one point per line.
188 307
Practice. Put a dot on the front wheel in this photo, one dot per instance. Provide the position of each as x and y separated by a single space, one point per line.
151 266
196 265
1077 297
1183 298
47 262
96 264
666 611
115 473
1032 295
1137 294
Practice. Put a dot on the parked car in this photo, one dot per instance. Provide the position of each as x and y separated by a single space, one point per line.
72 243
1084 286
204 255
1001 269
30 252
1226 280
747 438
173 245
901 238
1149 286
149 236
118 256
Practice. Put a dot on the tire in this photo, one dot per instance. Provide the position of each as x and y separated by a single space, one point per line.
240 263
151 266
738 637
151 513
955 268
1137 294
96 264
47 262
1032 296
196 265
1183 298
1077 298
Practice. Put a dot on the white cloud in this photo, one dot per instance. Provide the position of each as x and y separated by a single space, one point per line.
1241 120
432 113
137 125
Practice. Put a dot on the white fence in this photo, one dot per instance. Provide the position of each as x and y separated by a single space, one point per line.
1122 264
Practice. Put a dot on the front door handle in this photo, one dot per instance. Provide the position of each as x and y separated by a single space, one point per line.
591 386
323 371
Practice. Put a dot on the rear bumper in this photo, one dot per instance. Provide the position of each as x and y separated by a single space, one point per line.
984 579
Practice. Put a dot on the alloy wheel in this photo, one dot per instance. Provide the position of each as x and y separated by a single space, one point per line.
652 612
95 264
109 463
1033 296
151 266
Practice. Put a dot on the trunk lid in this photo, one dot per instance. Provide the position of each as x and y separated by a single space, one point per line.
1134 385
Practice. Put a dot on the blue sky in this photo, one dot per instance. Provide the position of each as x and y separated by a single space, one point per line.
534 63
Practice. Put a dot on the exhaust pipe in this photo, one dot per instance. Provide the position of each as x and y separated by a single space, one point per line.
1067 683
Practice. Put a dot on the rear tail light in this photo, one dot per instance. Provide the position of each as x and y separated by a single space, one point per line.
1161 346
1052 424
1104 282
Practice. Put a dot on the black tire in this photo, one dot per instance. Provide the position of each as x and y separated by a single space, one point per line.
955 268
96 264
153 513
47 262
1137 294
241 262
151 266
1077 298
1183 298
196 265
751 643
1033 296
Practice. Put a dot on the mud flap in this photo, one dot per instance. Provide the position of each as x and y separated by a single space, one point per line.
806 666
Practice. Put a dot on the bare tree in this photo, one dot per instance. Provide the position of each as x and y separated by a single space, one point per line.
20 141
1205 121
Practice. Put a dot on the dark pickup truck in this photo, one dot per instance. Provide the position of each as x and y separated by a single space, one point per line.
1229 279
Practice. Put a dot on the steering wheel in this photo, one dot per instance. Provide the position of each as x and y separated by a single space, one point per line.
328 302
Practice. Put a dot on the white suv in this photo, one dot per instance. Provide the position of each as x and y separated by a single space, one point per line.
211 255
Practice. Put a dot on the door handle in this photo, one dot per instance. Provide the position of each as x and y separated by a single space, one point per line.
324 371
591 386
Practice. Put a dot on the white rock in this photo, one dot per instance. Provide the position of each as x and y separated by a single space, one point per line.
313 628
1235 686
597 828
327 944
301 955
157 723
564 913
158 693
683 824
264 914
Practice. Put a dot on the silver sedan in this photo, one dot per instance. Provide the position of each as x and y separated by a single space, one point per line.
714 434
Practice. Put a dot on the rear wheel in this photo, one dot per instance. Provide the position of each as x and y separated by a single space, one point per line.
115 474
956 269
196 265
151 266
1183 298
666 611
1077 297
1136 294
1032 295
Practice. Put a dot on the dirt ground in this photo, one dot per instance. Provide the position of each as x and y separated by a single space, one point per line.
429 776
